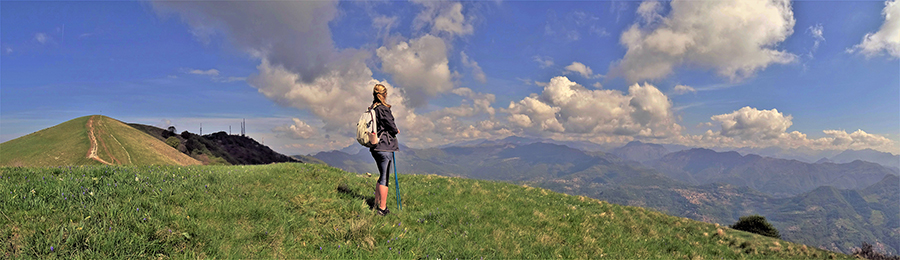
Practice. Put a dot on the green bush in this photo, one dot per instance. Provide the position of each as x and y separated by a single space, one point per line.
756 224
173 141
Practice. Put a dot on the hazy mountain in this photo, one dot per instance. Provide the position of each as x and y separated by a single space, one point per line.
886 159
778 177
826 217
824 160
640 152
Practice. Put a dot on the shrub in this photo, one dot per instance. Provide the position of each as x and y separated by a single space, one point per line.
756 224
173 141
866 251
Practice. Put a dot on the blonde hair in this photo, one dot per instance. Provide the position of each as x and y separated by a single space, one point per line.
379 94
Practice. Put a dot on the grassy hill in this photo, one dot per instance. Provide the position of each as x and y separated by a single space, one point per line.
314 211
839 223
90 140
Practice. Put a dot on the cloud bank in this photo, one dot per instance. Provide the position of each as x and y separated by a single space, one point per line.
300 67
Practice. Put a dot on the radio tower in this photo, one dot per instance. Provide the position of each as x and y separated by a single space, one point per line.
201 128
243 126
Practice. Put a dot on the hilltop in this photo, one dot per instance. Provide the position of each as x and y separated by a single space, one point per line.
314 211
89 140
219 147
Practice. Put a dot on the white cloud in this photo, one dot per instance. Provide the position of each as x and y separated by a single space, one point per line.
568 108
8 50
419 66
445 18
887 38
298 130
233 79
384 24
682 89
597 85
817 32
649 11
477 73
209 72
734 38
750 127
856 140
750 123
581 69
42 38
291 34
543 62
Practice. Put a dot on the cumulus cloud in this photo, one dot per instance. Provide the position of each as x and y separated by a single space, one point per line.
566 107
292 34
445 18
682 89
477 73
733 38
749 123
298 130
420 66
887 38
581 69
751 127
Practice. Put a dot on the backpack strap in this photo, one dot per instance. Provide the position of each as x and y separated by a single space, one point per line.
375 129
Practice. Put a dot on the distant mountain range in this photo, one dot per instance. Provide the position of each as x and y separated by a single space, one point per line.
815 204
778 177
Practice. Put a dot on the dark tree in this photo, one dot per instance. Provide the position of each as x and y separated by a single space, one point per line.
756 224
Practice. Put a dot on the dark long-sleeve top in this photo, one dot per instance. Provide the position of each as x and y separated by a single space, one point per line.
387 130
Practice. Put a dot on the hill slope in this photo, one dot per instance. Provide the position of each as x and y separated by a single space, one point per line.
606 177
219 147
89 140
315 211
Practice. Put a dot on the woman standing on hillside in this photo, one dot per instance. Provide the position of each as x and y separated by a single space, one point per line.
387 144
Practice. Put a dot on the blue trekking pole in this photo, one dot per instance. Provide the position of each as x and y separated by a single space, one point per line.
397 181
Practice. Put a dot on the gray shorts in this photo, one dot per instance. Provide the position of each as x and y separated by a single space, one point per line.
384 161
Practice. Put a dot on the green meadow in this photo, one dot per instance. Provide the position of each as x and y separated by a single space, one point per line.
294 210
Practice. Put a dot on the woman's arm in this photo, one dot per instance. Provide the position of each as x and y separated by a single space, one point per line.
387 120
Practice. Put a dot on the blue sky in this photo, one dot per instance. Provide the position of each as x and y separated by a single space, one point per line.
817 75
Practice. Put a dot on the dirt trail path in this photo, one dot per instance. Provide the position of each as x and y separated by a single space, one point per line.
92 154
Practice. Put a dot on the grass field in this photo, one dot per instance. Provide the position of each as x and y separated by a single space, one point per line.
314 211
63 144
70 143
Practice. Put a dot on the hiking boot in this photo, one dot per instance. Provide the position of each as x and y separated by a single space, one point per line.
382 212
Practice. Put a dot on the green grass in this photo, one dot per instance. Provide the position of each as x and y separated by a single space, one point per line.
63 144
68 144
314 211
130 146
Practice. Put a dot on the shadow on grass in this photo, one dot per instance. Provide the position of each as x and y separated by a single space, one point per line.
344 189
